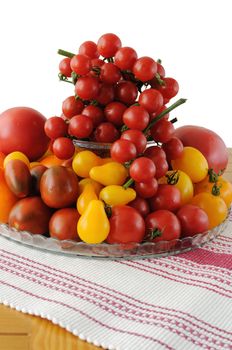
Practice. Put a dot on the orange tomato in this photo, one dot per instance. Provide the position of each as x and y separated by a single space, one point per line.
214 206
7 199
222 186
51 160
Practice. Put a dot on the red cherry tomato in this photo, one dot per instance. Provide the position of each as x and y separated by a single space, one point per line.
147 189
155 152
106 132
63 148
123 151
64 67
126 92
136 117
145 68
55 127
87 87
89 49
167 197
72 106
105 94
151 100
125 58
138 139
110 73
169 89
141 205
193 220
80 126
162 131
108 44
142 169
126 225
95 114
80 64
114 112
63 224
173 148
163 225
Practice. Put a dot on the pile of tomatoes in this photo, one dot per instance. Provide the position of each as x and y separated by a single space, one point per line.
154 185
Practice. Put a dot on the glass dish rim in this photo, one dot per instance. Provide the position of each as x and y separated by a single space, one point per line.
120 250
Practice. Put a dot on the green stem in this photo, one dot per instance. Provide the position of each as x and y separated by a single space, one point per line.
128 183
163 113
65 53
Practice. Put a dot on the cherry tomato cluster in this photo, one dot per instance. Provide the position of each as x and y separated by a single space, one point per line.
116 96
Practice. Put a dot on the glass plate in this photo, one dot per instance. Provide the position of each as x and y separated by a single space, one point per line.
113 251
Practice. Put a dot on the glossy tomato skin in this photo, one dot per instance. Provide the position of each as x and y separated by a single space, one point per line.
141 205
193 220
126 225
167 197
59 187
30 214
166 222
18 177
207 142
63 224
22 129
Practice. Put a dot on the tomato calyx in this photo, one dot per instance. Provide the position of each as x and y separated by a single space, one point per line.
213 176
216 189
153 233
160 80
108 210
63 77
173 178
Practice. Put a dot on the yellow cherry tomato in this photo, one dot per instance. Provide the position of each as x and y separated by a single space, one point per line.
221 187
16 155
93 226
109 174
84 161
214 206
85 198
117 195
97 187
180 180
193 163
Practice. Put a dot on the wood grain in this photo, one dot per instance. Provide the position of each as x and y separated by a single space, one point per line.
19 331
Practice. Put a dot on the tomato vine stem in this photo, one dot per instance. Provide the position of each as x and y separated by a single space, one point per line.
65 53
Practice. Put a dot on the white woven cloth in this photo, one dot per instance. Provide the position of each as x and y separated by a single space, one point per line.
178 302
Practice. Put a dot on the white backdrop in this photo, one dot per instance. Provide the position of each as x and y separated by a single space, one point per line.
193 39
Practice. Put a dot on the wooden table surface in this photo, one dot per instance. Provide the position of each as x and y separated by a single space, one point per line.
19 331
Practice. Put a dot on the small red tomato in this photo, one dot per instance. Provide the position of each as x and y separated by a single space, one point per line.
142 169
87 87
80 64
147 189
136 117
63 224
137 137
64 67
123 151
89 49
151 100
162 131
106 133
63 148
72 106
126 225
108 44
167 197
173 148
55 127
80 126
110 73
126 92
94 113
141 205
162 225
114 112
193 220
145 68
125 58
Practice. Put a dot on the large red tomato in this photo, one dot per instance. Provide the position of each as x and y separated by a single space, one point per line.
207 142
22 129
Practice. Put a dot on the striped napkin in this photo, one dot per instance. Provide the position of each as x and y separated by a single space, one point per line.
177 302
